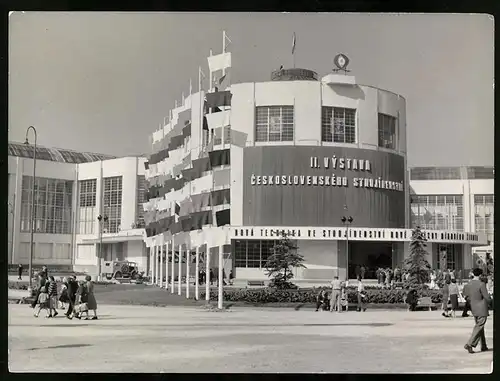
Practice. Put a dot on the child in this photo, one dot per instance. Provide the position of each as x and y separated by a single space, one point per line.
64 298
43 302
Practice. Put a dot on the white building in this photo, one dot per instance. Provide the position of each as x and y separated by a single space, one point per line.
72 190
455 198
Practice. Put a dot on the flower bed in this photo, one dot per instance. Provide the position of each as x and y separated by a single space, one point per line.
267 295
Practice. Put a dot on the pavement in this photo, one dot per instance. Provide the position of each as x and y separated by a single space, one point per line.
247 340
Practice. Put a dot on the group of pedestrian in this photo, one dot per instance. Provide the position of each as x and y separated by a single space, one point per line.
337 299
79 296
202 277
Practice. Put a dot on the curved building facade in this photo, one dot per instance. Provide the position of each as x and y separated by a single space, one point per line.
236 166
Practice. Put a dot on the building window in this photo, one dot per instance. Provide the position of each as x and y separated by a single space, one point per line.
274 124
112 204
437 212
484 206
387 131
53 205
435 173
87 216
253 253
449 251
141 199
338 125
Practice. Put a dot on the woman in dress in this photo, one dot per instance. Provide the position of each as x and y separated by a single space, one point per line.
91 302
433 280
453 290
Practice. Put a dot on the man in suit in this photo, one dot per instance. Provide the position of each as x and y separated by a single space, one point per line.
479 301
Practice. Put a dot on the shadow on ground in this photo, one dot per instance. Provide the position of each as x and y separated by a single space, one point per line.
61 346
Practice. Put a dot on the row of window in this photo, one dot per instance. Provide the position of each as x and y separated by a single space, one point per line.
53 205
252 253
338 125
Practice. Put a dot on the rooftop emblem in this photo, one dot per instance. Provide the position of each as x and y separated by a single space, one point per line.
341 61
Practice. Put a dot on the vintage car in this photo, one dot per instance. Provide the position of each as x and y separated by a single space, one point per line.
120 270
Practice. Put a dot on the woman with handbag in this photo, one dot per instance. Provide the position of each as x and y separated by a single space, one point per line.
91 302
81 301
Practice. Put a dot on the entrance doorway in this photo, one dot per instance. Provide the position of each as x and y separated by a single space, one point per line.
371 256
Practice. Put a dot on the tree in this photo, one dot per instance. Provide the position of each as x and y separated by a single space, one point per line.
416 263
280 264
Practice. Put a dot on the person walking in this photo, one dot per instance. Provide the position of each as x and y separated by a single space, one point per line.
335 297
446 298
20 272
72 289
363 271
91 301
361 296
479 301
231 277
43 302
52 291
42 280
412 299
453 289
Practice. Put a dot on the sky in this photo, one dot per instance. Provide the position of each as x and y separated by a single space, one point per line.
102 82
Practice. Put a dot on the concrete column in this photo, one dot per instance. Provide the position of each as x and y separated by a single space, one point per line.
167 248
161 266
207 271
151 263
173 267
188 259
179 273
157 268
196 272
221 280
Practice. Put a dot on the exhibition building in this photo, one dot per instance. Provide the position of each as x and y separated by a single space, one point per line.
321 158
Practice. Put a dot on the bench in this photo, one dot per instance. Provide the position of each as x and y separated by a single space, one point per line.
255 283
425 302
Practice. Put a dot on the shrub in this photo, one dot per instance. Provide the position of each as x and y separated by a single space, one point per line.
267 295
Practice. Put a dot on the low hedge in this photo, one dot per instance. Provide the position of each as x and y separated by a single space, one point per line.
268 295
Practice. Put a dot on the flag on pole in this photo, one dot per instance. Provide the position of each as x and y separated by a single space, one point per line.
222 79
190 86
293 43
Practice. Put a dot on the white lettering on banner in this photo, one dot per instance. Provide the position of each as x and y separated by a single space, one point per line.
340 233
333 180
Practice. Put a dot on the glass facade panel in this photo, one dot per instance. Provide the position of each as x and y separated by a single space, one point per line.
437 212
112 203
87 190
253 253
338 125
141 198
274 123
387 131
53 205
433 173
484 206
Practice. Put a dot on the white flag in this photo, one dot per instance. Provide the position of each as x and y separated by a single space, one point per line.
219 62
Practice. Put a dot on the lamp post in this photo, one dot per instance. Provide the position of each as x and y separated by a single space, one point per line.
12 206
347 221
33 209
101 219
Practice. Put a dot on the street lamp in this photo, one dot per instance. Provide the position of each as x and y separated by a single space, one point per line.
101 219
346 221
12 211
33 209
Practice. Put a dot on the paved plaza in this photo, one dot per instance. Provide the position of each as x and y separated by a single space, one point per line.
193 339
